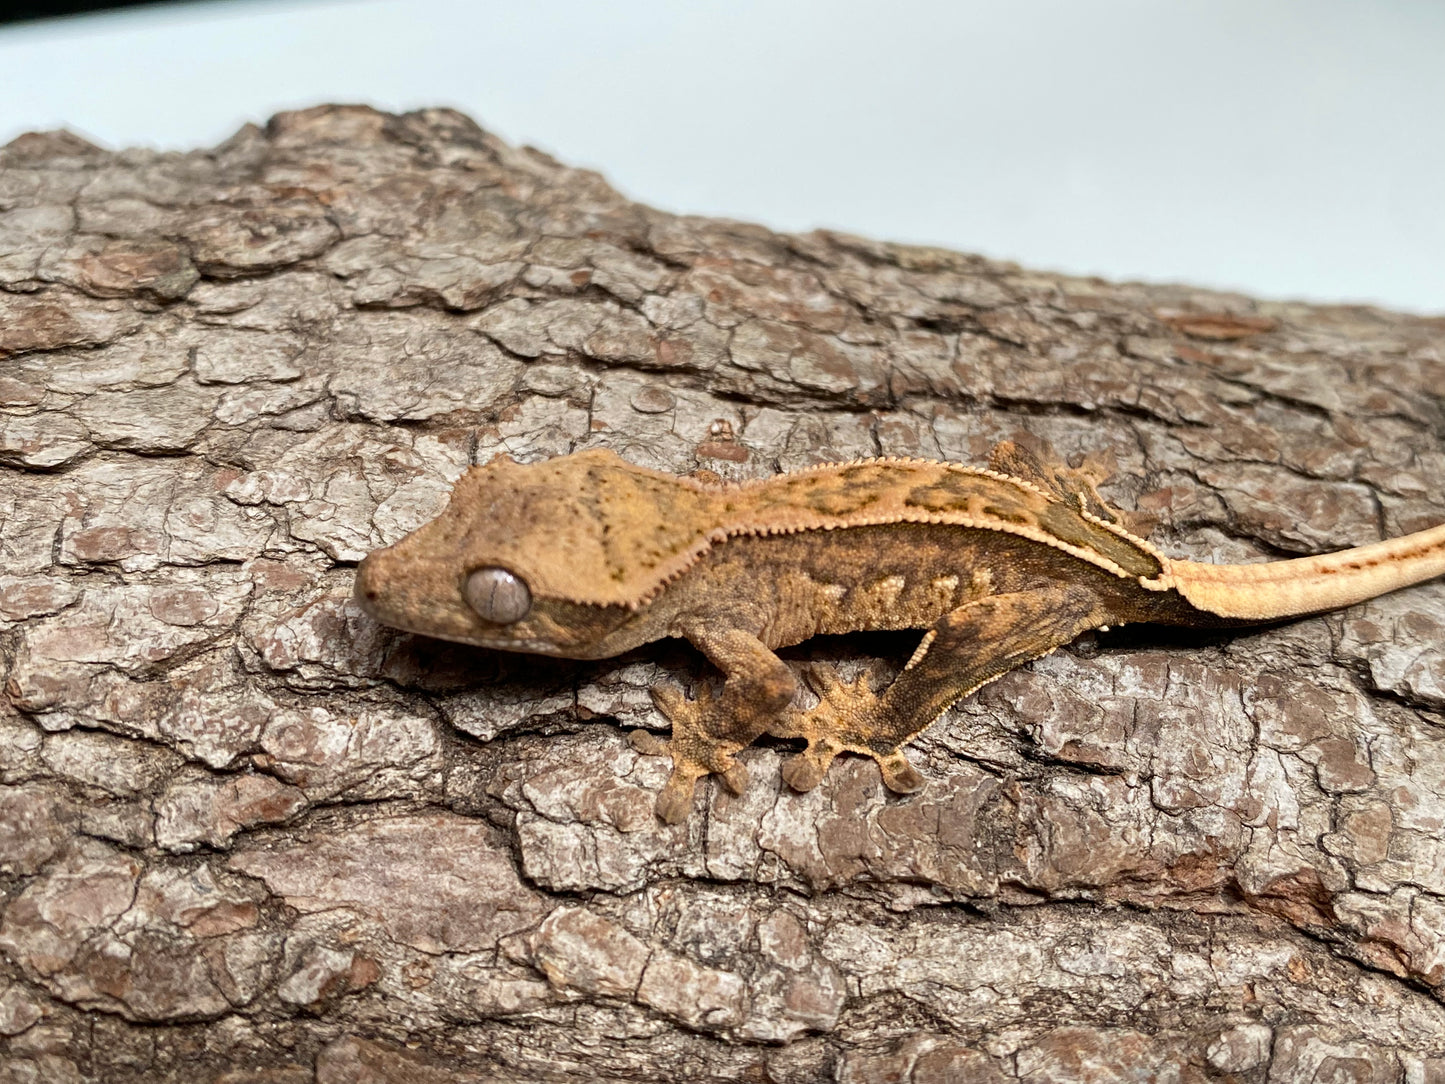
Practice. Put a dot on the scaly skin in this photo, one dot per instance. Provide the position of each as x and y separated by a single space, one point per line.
586 556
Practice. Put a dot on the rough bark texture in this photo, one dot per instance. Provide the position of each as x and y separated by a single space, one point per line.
247 836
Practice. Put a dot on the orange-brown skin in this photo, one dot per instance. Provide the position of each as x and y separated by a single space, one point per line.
1000 566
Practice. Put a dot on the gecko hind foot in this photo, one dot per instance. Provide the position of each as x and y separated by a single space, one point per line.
804 771
693 751
839 704
845 719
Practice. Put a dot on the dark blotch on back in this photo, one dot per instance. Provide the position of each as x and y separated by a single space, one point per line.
851 489
945 495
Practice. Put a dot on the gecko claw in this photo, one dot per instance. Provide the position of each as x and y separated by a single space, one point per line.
674 802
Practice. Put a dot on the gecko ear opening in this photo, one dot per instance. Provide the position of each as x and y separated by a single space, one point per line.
498 596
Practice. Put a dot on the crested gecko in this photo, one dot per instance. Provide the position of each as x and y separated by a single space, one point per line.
587 556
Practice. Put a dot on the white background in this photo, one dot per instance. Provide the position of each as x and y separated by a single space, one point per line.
1283 147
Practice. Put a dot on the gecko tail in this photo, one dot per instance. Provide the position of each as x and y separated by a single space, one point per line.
1306 585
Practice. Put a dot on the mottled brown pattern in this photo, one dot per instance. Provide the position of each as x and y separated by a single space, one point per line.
853 547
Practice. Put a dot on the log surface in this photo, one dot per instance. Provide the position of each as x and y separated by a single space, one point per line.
249 837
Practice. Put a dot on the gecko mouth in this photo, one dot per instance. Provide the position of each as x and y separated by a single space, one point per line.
524 647
528 647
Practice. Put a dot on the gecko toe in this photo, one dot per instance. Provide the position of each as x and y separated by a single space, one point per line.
669 700
899 776
801 773
822 679
674 804
735 778
805 770
648 744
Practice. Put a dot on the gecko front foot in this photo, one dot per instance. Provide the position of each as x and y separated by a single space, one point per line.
695 752
846 720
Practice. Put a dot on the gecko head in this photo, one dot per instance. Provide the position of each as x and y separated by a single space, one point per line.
545 558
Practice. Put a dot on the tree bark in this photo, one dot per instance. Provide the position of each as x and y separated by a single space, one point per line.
246 835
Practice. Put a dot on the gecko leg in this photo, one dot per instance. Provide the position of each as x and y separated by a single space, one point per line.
965 649
706 732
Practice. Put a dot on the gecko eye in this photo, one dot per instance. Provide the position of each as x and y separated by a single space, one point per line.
498 595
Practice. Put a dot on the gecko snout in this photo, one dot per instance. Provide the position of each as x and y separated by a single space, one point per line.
370 575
